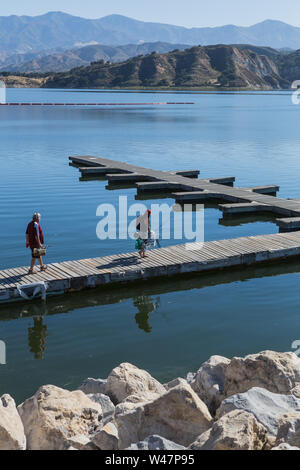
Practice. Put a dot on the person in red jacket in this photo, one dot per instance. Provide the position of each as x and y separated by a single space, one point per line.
35 239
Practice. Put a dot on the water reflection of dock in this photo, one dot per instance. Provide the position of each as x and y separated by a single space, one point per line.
62 304
37 335
142 307
145 306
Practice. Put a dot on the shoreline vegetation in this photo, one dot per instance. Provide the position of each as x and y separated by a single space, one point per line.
243 403
209 68
37 83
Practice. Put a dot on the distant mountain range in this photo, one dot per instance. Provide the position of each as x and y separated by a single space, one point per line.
61 61
213 67
219 66
57 30
62 50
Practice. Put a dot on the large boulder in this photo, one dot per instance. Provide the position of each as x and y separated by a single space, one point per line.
12 435
276 372
107 438
289 429
237 430
179 415
209 381
127 380
93 386
267 407
156 443
53 417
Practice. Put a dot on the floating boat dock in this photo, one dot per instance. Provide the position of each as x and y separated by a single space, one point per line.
184 186
77 275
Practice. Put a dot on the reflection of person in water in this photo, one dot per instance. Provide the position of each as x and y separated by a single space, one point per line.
37 338
145 306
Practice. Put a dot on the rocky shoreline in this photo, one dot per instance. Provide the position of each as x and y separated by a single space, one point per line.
249 403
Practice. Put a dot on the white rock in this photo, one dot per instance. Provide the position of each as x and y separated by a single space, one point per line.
53 417
108 408
285 447
276 372
237 430
175 383
128 405
107 438
209 381
296 391
190 377
289 429
127 380
93 386
179 416
81 442
267 407
156 443
12 435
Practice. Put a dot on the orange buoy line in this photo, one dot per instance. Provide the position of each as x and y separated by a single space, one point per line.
94 104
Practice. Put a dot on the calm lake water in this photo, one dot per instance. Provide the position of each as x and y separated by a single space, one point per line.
169 328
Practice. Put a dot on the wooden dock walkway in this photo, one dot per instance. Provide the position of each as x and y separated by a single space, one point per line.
77 275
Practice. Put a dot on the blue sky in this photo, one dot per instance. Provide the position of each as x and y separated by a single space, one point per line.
186 13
